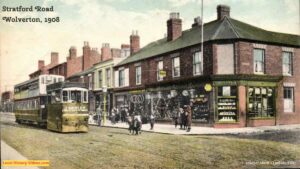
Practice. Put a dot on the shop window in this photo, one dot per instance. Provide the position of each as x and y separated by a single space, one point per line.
138 75
287 65
288 99
160 67
108 77
261 102
197 63
227 104
176 67
259 61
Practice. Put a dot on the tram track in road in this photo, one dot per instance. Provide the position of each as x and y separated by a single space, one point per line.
104 147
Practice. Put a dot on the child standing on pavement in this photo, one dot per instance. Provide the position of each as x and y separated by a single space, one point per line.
152 121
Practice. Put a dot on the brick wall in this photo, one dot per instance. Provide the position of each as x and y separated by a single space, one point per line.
60 69
149 66
244 51
290 117
74 65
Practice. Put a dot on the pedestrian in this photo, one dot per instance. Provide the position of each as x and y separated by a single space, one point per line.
182 118
99 115
177 117
189 118
113 117
118 116
152 121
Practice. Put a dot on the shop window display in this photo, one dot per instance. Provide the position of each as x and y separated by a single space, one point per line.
227 104
261 102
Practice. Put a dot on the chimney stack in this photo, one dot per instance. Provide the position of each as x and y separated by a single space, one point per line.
197 22
105 52
54 58
134 42
174 25
222 11
72 52
41 64
86 55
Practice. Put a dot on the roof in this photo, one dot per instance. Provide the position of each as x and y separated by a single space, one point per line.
224 29
61 85
27 82
82 73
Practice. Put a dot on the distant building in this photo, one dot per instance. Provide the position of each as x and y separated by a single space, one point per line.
7 101
74 63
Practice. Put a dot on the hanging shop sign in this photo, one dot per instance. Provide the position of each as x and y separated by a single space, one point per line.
162 73
208 87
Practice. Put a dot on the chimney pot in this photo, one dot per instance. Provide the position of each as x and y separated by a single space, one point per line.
41 64
222 11
86 43
197 21
72 52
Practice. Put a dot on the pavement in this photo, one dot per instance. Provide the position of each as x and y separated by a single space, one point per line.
196 130
9 153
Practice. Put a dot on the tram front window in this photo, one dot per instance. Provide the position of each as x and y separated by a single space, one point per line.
76 96
65 96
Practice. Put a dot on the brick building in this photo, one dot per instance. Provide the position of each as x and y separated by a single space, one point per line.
91 77
74 64
44 69
247 76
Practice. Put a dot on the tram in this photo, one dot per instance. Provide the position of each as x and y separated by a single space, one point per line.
49 101
68 107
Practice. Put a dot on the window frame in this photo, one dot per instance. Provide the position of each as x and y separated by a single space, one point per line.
160 78
292 99
121 78
263 61
199 63
290 64
175 68
108 77
100 78
138 75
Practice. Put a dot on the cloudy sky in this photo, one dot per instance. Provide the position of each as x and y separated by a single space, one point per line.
112 21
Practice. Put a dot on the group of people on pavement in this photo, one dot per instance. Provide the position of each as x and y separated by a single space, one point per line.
183 117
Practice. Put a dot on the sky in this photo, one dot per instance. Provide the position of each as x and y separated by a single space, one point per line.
112 21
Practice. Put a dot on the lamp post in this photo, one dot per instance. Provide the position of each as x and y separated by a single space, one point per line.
104 89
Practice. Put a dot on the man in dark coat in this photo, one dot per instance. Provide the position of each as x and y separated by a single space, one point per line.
189 118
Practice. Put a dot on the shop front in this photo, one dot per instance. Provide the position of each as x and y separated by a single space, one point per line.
245 103
103 100
165 102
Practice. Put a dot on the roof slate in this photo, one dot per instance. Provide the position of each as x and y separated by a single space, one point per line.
227 28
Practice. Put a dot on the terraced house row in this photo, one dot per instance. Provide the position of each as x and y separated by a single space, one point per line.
245 75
